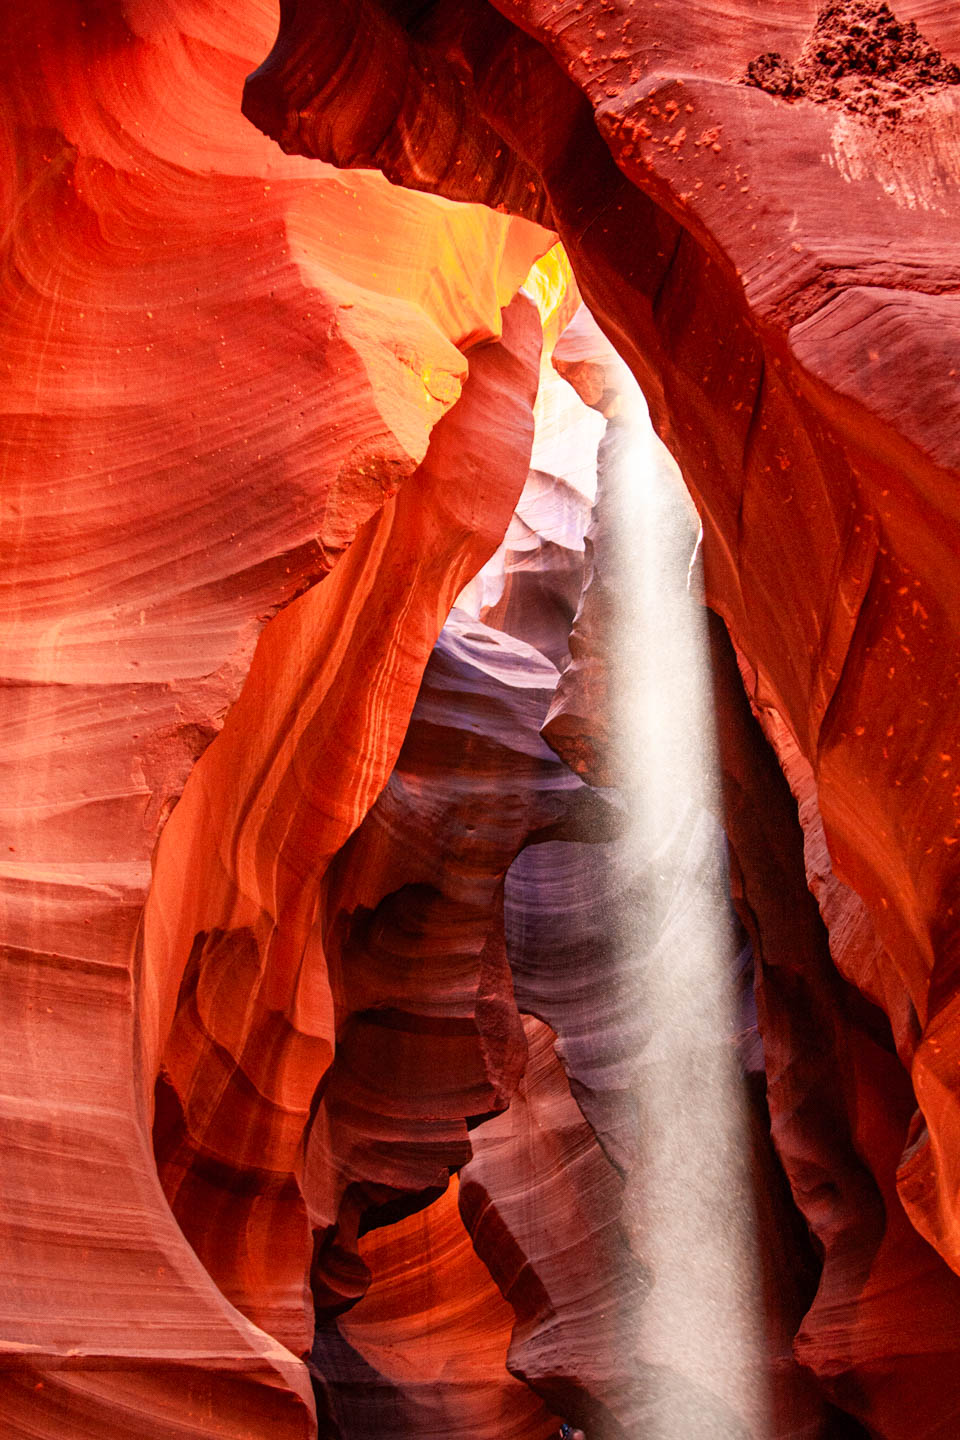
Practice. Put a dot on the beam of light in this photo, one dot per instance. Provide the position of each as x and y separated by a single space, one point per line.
690 1213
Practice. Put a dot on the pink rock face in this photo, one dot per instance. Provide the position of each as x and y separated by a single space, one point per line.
578 721
429 1040
573 1283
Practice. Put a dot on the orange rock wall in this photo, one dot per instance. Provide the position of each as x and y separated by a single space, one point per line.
263 420
781 274
222 369
238 903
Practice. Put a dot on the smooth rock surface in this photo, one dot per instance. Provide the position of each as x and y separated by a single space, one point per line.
279 960
772 267
220 366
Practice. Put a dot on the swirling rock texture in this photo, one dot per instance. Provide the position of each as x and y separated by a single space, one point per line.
431 1041
531 587
760 208
317 1107
243 861
223 372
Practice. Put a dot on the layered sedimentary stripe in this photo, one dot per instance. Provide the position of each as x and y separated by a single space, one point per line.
239 906
218 369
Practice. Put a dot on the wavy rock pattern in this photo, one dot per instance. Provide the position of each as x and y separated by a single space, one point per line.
429 1039
838 1101
431 1332
263 422
530 587
771 268
240 881
572 1282
222 368
578 722
838 1115
544 1191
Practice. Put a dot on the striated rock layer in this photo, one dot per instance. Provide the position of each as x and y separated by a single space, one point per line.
430 1040
779 265
238 903
318 1078
224 372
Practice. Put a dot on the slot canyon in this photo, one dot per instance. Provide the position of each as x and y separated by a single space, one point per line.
480 735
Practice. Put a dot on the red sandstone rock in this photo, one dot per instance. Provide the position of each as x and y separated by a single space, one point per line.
429 1035
424 1351
838 1101
221 365
780 273
179 306
240 876
573 1283
578 722
531 586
